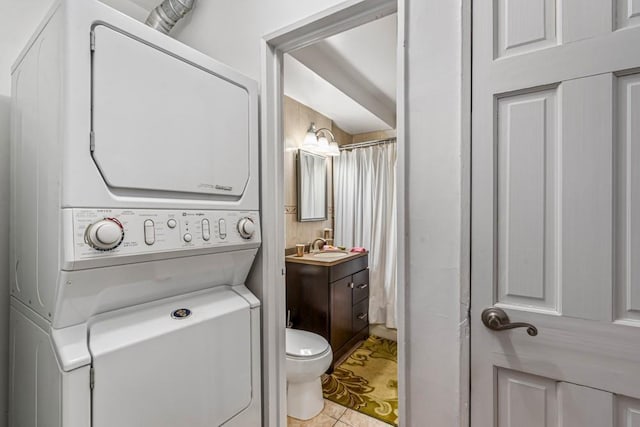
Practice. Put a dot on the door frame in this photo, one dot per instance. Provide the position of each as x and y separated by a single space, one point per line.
327 23
271 270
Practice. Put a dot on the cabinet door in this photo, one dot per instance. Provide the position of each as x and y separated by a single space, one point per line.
308 298
341 313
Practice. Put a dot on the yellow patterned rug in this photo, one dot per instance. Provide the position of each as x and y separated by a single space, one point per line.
367 381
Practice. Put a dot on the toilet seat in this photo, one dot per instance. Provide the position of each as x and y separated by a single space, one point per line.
304 345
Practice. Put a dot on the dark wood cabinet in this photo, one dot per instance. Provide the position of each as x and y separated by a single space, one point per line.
330 299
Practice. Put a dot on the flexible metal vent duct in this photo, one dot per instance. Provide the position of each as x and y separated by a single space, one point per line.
168 13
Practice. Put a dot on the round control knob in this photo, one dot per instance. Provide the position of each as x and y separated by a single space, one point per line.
104 235
246 228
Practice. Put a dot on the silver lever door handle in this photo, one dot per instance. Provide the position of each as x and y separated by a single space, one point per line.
497 320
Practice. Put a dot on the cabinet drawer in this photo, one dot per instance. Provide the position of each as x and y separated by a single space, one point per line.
347 268
360 315
360 286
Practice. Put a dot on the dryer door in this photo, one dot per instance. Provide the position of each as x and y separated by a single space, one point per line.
161 123
152 369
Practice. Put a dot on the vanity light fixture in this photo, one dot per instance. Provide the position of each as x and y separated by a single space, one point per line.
316 141
330 148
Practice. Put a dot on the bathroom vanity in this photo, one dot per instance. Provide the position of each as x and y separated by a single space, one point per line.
328 294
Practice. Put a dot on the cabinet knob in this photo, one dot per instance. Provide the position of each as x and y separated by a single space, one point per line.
363 286
351 285
362 316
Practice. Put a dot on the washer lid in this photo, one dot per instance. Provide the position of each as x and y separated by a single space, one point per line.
304 344
181 361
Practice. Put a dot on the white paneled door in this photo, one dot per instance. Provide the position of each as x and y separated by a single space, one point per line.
556 213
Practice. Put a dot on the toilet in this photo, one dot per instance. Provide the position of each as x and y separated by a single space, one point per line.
308 357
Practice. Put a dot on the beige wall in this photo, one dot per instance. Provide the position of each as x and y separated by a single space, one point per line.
374 136
297 118
342 137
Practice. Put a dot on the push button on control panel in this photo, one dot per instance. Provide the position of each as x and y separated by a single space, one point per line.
149 232
206 229
187 237
222 226
172 223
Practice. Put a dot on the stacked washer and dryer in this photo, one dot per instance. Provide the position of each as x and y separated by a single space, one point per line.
135 222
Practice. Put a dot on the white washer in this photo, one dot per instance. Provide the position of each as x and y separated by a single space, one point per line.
135 222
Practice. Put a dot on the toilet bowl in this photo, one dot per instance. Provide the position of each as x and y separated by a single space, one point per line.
308 357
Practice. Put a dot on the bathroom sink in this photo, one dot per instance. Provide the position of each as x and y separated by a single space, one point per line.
330 256
323 258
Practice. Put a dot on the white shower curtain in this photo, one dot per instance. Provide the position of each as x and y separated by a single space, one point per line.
365 215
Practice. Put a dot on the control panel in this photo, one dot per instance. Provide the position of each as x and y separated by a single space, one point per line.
121 232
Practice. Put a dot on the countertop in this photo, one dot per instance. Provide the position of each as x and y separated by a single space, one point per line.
310 259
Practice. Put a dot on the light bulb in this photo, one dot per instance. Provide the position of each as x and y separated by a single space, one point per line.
333 150
323 142
310 140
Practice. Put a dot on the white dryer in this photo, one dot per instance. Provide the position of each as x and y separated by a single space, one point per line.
134 224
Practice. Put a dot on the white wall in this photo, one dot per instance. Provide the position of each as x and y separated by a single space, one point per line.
230 31
436 296
19 20
435 271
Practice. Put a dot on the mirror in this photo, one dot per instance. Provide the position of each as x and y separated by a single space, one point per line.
312 186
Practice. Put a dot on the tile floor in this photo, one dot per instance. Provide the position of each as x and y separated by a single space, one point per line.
335 415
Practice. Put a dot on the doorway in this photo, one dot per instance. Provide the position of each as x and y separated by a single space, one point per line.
340 211
275 49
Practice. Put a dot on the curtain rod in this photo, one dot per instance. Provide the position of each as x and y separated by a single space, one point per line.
367 143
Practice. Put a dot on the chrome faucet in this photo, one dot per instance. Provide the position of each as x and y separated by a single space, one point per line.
313 245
